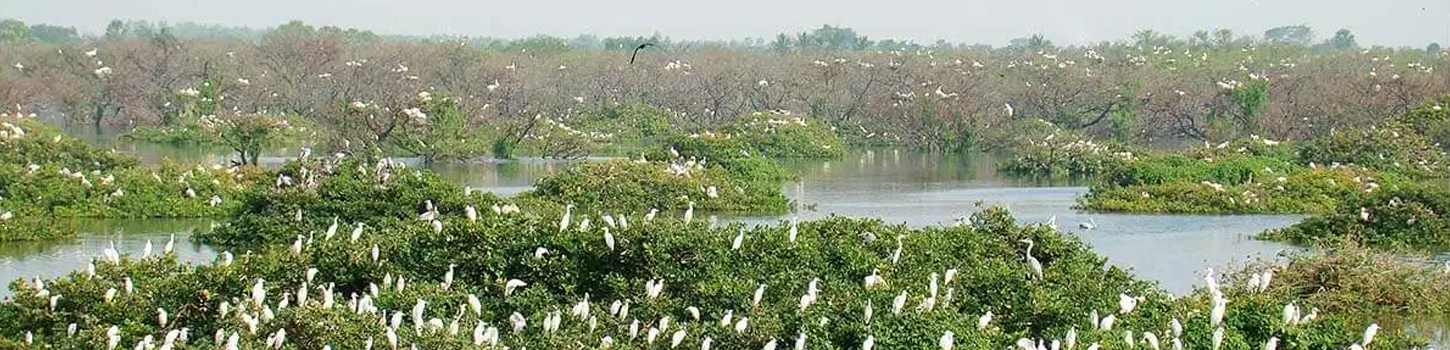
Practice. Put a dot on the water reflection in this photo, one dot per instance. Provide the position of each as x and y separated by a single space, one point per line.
56 258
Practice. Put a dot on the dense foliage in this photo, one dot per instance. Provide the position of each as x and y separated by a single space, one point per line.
45 175
1038 148
523 266
1258 175
637 186
1339 275
1411 216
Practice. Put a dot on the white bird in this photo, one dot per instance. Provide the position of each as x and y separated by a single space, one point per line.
471 213
794 228
742 325
690 212
694 312
356 232
651 215
564 220
1272 344
113 337
800 341
653 288
1088 225
898 303
985 320
1008 107
1107 323
875 279
947 341
678 337
517 321
755 298
769 345
1031 261
1126 303
869 343
581 309
705 344
608 239
1369 333
1217 337
331 230
508 287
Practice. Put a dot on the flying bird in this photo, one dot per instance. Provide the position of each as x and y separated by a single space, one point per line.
636 51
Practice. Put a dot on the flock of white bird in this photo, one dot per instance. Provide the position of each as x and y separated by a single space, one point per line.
256 306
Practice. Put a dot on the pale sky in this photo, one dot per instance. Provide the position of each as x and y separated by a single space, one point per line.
1376 22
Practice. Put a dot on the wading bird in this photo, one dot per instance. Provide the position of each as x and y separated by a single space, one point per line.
636 51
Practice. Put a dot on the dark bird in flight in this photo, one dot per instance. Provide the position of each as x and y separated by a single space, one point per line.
636 51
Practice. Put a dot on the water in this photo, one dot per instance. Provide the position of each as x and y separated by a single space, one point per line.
898 187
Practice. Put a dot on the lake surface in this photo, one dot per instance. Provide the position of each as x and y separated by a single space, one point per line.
895 186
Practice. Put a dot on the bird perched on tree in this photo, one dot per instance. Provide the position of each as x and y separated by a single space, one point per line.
636 51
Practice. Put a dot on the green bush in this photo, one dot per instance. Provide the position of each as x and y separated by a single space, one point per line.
1042 149
1389 148
1407 217
697 265
632 186
1431 119
1310 191
355 193
28 141
776 134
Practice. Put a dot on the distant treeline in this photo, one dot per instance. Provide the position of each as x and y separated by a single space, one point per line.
1149 88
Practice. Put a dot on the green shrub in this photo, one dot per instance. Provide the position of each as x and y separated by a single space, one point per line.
1311 191
776 134
37 143
355 193
1389 148
1431 119
632 186
1042 149
699 269
1409 216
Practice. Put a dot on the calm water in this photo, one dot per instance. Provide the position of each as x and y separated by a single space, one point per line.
898 187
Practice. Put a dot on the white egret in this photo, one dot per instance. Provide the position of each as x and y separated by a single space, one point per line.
947 341
898 303
1088 225
608 239
564 220
1369 333
508 287
678 337
1031 261
985 320
869 343
690 212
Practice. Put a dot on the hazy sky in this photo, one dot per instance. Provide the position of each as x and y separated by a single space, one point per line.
1384 22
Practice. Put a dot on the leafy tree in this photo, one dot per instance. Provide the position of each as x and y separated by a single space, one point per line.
246 134
1433 48
115 30
1036 42
1343 40
53 34
13 30
832 38
1297 34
